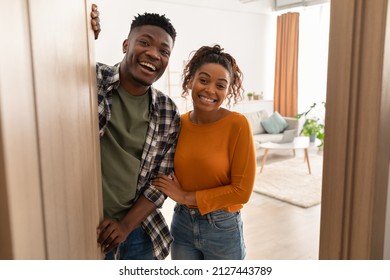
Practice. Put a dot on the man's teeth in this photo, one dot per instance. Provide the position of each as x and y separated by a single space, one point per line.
207 99
148 65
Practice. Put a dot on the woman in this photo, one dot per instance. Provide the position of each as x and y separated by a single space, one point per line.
214 162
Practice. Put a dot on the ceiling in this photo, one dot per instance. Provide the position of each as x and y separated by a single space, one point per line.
247 6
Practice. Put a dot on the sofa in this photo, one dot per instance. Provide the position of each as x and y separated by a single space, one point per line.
273 128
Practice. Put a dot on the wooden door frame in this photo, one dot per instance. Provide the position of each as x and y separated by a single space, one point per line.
50 179
356 151
21 213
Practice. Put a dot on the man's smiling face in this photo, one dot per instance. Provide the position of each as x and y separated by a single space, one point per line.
147 51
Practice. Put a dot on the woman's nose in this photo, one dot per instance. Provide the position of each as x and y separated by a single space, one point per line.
210 89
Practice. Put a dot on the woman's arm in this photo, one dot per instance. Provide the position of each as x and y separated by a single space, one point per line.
242 176
172 188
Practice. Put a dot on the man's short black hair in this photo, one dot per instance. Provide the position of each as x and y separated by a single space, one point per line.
154 19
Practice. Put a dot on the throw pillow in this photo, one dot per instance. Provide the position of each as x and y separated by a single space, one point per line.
255 119
274 124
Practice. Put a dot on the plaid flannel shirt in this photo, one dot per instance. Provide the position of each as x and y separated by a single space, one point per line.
158 153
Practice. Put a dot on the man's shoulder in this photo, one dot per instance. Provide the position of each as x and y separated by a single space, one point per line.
165 103
105 69
106 75
162 97
159 93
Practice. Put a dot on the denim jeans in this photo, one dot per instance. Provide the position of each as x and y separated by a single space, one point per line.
214 236
137 246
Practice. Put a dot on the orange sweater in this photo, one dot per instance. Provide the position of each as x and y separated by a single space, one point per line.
218 161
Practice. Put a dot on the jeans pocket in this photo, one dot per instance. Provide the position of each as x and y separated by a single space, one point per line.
177 208
224 220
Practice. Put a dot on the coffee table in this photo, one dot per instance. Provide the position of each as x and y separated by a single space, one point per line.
300 142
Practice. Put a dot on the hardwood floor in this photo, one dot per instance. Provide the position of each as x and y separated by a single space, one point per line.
275 230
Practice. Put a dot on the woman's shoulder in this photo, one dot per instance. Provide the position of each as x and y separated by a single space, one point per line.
240 122
184 116
239 117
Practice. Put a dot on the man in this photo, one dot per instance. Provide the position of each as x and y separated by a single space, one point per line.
139 126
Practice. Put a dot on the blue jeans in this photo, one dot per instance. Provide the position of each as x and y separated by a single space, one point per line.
137 246
214 236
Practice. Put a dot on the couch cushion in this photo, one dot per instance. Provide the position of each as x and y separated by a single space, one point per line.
255 119
265 137
274 124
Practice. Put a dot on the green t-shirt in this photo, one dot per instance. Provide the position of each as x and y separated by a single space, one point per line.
121 149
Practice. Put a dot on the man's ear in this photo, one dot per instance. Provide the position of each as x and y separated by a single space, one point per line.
125 45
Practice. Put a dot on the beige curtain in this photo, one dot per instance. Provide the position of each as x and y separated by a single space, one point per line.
286 65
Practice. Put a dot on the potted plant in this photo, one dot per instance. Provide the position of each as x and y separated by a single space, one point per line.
321 135
250 95
312 126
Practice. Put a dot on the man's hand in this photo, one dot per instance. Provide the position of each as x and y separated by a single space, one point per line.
95 21
110 234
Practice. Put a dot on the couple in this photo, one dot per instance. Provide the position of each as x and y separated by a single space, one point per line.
204 160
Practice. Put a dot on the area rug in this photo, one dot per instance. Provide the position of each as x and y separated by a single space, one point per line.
289 181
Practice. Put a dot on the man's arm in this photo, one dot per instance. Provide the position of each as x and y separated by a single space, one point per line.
111 233
164 166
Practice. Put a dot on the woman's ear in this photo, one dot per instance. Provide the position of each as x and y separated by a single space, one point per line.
125 45
190 83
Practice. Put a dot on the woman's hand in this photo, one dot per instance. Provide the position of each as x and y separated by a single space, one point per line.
110 234
172 188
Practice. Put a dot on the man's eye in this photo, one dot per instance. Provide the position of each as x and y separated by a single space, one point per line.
165 53
144 43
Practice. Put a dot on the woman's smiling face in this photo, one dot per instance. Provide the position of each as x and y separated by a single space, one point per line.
210 86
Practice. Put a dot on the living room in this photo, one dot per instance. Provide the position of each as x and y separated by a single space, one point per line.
356 167
198 25
251 38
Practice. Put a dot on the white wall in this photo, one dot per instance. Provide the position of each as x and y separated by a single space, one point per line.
313 57
250 37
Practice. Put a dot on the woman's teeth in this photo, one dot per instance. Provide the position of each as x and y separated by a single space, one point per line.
207 99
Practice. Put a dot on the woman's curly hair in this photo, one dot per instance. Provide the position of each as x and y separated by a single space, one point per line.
216 55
